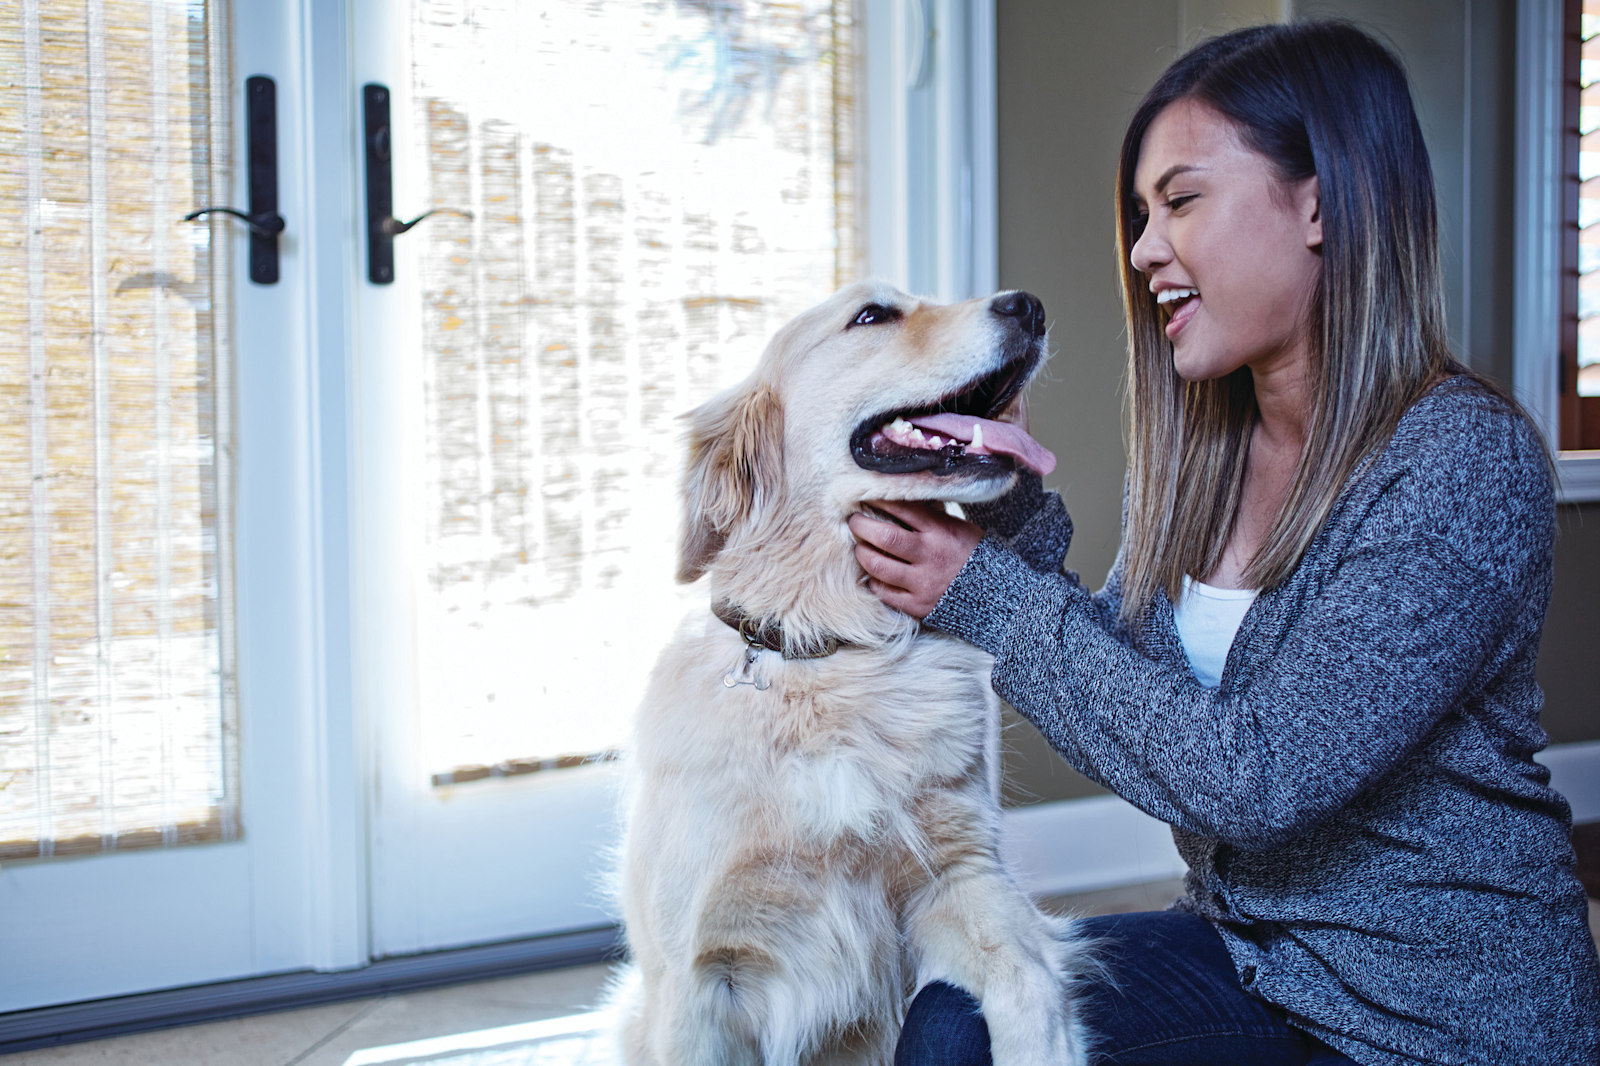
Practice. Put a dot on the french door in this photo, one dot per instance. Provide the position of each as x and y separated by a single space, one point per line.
163 756
629 199
441 516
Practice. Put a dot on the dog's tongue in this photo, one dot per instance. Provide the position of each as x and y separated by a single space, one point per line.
998 438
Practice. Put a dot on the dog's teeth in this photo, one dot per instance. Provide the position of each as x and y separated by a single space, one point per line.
977 436
935 442
916 435
899 425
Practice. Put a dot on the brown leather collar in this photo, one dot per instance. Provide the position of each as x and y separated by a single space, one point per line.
770 637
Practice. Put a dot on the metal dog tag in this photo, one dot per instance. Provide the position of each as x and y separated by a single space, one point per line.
746 674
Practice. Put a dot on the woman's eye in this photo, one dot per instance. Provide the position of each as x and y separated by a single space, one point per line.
1176 203
871 315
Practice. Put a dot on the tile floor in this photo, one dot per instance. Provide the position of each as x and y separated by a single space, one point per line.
541 1019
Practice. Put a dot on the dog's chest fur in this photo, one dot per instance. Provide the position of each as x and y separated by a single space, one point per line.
836 760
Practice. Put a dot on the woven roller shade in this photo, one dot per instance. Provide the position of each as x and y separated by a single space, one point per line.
654 188
1588 360
116 721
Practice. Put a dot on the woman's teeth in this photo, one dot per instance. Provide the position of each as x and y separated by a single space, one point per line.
1167 296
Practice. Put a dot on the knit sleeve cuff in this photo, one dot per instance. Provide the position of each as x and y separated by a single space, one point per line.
1006 516
980 602
1032 522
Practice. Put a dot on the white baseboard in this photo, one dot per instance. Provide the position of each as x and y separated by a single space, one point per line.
1085 844
1102 842
1575 773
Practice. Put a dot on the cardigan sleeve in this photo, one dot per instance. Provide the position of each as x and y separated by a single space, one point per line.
1030 520
1388 648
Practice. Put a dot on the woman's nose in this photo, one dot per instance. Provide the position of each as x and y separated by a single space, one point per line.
1150 250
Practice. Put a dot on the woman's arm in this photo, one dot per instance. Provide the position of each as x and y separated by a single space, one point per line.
1443 547
1389 645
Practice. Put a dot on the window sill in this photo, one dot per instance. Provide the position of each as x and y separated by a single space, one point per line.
1579 477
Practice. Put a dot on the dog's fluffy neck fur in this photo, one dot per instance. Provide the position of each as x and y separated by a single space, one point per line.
799 572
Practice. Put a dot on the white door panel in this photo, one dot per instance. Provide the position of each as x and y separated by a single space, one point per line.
117 923
654 190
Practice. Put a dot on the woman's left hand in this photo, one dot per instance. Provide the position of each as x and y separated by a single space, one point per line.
910 568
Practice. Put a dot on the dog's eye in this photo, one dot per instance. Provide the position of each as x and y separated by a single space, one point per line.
873 314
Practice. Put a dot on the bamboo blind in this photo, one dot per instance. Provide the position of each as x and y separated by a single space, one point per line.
1589 204
116 726
654 188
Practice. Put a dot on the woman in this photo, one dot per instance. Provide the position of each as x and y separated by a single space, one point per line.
1314 656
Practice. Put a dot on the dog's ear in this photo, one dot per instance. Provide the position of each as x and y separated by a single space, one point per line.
735 466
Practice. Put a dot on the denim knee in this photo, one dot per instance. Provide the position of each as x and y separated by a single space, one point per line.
944 1027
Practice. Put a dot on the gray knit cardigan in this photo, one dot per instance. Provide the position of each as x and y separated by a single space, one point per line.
1358 803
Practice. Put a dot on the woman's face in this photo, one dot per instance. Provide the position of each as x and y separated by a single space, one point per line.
1231 252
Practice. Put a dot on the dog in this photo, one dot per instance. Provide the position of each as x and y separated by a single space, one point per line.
812 817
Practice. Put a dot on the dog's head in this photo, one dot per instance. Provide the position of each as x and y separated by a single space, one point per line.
872 394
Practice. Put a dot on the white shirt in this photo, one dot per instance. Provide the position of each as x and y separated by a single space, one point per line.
1207 619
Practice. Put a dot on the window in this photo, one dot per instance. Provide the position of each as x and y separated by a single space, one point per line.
154 512
116 719
1580 347
596 270
1557 287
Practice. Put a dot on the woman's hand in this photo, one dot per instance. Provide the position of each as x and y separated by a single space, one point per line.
909 567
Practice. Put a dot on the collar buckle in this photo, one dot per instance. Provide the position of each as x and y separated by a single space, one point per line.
769 638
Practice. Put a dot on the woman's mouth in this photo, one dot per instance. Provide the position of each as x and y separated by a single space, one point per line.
1177 307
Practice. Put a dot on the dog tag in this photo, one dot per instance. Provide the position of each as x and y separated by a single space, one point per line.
746 674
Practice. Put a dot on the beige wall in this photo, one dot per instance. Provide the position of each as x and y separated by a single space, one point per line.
1071 72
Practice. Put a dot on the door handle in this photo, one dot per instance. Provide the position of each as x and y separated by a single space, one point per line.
261 146
382 226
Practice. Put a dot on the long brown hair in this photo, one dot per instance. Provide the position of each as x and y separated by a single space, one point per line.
1314 98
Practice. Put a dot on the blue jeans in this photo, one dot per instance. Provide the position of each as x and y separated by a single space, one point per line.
1170 997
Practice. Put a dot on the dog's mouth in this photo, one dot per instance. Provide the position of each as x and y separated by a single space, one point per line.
957 433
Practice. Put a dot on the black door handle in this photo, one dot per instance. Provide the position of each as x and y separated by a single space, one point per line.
261 126
382 226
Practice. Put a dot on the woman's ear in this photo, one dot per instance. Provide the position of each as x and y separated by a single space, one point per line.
1310 197
735 466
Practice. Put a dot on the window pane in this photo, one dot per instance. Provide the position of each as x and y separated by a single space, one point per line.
1589 205
654 189
115 719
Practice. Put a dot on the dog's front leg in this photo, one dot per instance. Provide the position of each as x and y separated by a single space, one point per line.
694 1026
971 926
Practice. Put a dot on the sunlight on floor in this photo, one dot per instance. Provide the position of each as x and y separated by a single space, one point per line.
576 1040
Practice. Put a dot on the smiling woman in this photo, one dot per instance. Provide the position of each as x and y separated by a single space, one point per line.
1331 740
1201 192
1335 234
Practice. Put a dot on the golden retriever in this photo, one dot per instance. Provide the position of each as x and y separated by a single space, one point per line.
812 816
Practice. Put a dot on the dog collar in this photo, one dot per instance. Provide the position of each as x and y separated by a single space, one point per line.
769 636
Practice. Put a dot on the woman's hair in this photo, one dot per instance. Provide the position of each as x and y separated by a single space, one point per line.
1316 99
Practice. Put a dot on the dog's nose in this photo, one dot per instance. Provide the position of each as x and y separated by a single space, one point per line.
1022 306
